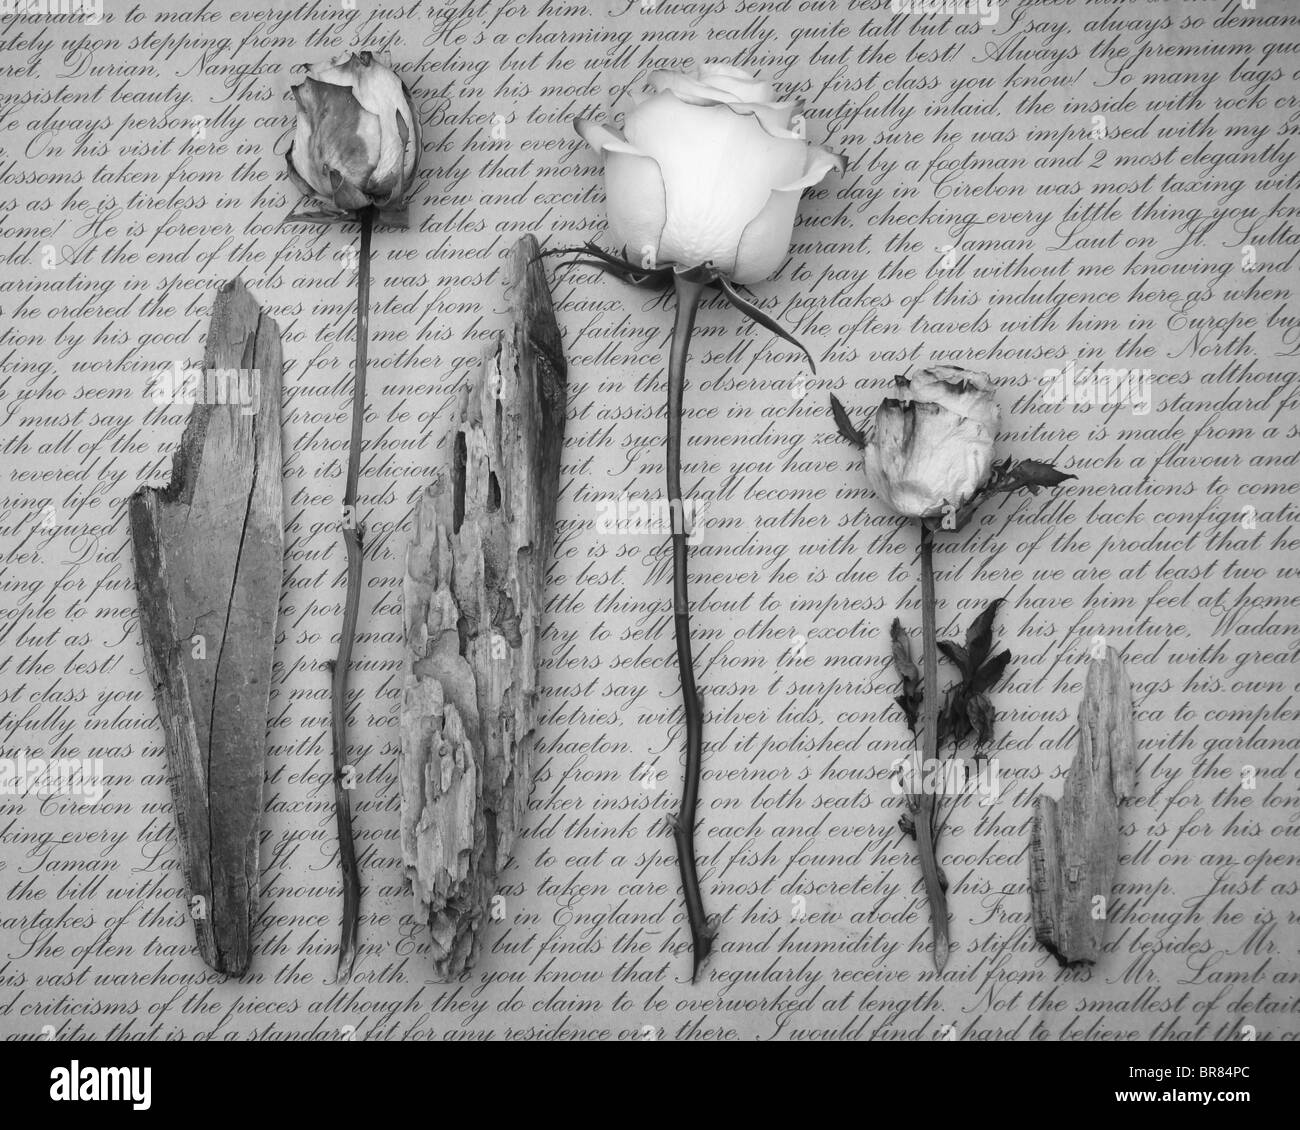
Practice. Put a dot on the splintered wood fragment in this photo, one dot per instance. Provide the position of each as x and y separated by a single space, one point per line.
209 561
1074 844
475 572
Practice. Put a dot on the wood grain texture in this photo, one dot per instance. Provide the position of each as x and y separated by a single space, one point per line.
475 573
1074 845
209 561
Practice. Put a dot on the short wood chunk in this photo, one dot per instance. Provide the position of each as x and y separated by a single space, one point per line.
1074 845
475 574
209 562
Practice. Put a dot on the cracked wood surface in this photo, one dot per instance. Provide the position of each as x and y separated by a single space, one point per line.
209 561
475 576
1074 843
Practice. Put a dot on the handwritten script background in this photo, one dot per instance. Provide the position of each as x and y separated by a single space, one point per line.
1129 249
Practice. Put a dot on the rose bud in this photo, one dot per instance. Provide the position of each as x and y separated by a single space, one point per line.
709 170
357 141
933 444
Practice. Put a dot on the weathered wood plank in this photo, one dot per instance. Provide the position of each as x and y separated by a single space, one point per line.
475 573
1074 845
209 561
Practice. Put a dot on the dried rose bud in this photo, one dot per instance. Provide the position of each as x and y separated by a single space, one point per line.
933 443
357 142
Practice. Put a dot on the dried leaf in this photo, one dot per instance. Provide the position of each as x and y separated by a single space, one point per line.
768 323
1028 474
957 656
1030 471
954 714
986 678
845 425
979 636
980 713
911 699
911 707
902 646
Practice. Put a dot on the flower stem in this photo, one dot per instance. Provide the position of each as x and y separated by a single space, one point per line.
352 536
926 837
688 298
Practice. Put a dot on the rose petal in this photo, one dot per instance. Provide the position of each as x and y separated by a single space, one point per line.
415 144
381 92
635 197
637 203
378 89
885 462
776 117
346 195
697 89
964 392
295 177
387 187
300 158
949 458
766 239
603 139
923 459
718 167
345 69
344 136
339 73
736 81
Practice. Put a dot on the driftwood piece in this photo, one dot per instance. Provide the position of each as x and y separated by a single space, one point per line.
209 562
475 571
1074 845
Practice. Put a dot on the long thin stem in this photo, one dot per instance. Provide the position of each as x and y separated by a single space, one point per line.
926 840
688 299
352 535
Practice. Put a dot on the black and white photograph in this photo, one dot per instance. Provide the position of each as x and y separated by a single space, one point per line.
650 521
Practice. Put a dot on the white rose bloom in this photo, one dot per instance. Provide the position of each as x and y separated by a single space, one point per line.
709 170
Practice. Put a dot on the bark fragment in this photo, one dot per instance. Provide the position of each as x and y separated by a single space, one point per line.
209 561
475 574
1074 844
